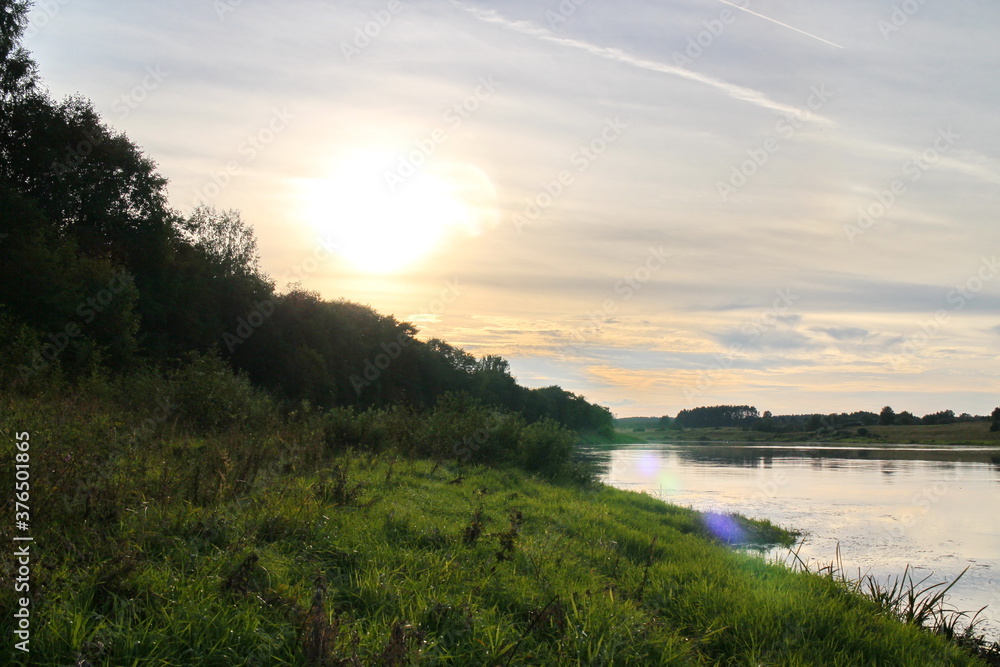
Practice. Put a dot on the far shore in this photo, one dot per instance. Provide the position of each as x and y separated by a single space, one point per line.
968 434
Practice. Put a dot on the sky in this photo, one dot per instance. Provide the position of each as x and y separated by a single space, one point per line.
656 205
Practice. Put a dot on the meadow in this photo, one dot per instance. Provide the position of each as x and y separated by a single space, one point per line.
230 532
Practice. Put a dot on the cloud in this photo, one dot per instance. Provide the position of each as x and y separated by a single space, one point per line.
530 297
844 333
784 25
777 339
734 91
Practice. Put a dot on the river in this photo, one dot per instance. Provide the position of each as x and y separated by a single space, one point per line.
933 508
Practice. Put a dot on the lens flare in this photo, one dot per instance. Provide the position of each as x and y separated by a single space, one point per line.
724 527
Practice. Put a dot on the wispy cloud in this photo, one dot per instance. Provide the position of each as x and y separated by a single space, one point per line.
732 90
785 25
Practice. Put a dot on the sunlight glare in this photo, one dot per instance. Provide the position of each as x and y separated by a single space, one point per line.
380 230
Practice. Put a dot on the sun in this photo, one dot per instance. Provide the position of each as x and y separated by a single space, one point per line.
382 224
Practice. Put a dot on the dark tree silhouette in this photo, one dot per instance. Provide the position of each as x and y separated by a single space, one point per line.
887 417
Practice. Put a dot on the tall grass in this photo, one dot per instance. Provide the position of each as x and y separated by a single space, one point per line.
234 532
914 602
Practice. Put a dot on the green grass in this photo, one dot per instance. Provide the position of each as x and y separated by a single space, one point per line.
969 433
271 547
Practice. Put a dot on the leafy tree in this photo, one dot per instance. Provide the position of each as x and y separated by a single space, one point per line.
943 417
227 242
995 417
765 424
84 308
717 416
18 72
493 382
887 417
458 359
864 418
91 183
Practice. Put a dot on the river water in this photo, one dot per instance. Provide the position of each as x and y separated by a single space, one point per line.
930 507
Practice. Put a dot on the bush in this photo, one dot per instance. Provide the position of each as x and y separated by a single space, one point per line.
345 428
545 447
209 396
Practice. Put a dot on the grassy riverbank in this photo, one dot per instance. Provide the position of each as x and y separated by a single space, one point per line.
313 538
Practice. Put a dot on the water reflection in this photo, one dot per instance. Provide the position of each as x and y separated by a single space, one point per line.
887 507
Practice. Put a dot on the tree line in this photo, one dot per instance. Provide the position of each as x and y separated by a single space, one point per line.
745 416
98 274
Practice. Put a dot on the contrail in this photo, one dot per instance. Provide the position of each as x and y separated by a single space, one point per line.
732 90
790 27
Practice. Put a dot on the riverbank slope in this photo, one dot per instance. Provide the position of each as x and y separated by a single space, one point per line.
287 546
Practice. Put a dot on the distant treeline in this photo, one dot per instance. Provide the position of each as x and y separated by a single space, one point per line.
719 415
99 275
745 416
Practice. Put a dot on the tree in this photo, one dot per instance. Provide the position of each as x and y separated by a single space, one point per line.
864 418
995 426
225 239
84 306
887 417
717 416
765 424
18 72
943 417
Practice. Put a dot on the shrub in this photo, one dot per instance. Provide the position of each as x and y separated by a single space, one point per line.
344 428
210 396
545 447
